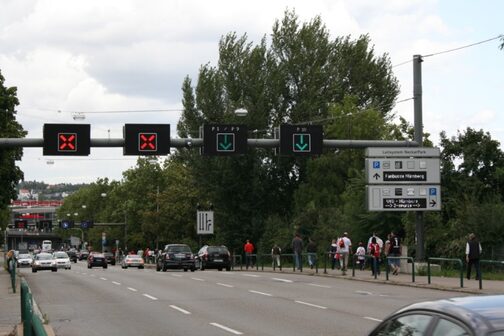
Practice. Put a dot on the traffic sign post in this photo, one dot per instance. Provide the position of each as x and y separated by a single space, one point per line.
301 139
403 179
404 197
146 139
204 222
67 139
224 139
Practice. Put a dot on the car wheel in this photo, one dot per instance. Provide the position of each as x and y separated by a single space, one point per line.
88 266
164 268
158 268
220 269
228 268
193 269
113 264
140 267
185 269
202 267
34 270
104 266
54 270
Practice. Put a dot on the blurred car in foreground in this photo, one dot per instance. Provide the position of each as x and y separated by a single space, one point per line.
132 260
178 256
96 259
471 315
44 261
62 260
24 260
109 256
214 257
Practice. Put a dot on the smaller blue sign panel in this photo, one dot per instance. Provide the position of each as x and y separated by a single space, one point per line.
376 164
432 191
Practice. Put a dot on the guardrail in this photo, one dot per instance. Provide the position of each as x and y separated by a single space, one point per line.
32 325
12 271
304 256
366 257
458 261
410 259
491 262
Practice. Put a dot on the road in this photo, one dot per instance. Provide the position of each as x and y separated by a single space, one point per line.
114 301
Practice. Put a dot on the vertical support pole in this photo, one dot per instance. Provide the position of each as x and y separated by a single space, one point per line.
417 96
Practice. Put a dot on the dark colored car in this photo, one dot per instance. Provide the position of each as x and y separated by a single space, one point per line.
96 259
83 254
471 315
214 257
110 258
177 256
72 254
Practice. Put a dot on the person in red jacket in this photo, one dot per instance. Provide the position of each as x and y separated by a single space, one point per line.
249 249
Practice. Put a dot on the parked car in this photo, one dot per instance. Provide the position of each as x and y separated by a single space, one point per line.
62 260
83 254
110 258
471 315
72 254
24 260
44 261
177 256
132 260
214 257
96 259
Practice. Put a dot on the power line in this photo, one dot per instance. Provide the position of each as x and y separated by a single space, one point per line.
125 111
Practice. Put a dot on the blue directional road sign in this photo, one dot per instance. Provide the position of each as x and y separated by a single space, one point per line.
67 224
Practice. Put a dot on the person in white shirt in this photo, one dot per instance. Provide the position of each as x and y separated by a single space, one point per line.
361 259
345 250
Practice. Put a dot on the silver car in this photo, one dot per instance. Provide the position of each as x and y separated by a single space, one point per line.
62 260
24 260
132 260
44 261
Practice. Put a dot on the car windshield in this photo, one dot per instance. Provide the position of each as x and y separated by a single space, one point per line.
60 255
43 256
217 249
179 248
24 256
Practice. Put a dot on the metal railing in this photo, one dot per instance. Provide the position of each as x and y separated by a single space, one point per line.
32 325
490 262
366 257
410 259
12 270
458 261
304 257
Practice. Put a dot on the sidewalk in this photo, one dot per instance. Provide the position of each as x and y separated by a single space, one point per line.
403 279
10 303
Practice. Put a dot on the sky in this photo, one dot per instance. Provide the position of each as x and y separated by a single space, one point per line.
93 56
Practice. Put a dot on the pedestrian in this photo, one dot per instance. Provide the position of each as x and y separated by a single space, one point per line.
374 251
276 251
473 253
379 241
248 248
394 253
332 253
297 248
311 249
361 256
344 250
146 255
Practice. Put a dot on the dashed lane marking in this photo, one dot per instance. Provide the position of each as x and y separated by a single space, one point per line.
183 311
105 279
116 283
283 280
150 296
311 305
252 275
260 293
317 285
198 279
232 331
132 289
225 285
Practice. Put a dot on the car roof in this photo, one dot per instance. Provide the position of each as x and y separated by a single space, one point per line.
476 311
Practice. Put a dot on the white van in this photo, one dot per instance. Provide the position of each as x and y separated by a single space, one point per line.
46 245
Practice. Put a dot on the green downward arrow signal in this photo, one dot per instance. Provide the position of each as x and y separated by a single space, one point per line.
301 145
224 143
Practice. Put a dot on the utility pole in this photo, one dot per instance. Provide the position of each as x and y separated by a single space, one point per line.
417 98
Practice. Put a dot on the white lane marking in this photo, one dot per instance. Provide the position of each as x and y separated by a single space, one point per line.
116 283
103 279
177 275
92 275
225 285
198 279
372 319
150 296
283 280
311 304
132 289
261 293
363 292
232 331
252 275
181 310
316 285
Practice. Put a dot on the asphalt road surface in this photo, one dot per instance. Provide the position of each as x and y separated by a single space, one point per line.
136 302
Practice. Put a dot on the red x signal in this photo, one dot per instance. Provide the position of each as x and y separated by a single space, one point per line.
148 141
67 142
